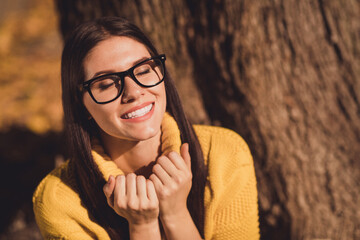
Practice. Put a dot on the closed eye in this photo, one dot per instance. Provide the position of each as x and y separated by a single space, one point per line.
146 71
105 86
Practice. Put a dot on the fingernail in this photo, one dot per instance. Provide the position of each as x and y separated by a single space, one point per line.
110 179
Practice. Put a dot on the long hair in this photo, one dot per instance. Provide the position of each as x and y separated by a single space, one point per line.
79 129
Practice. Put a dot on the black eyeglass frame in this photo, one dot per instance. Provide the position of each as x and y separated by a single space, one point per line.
130 72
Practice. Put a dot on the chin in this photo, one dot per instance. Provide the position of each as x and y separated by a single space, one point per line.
133 135
147 134
146 130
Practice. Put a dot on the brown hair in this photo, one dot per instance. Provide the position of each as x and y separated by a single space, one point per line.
79 129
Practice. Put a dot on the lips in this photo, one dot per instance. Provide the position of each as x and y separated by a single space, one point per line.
138 111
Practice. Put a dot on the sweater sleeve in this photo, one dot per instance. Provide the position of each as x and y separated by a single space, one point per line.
232 207
59 213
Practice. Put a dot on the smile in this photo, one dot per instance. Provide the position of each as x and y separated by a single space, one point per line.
138 113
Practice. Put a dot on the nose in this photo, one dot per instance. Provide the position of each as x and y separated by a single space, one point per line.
132 91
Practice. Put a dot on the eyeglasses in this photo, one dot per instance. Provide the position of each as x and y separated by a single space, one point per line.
106 88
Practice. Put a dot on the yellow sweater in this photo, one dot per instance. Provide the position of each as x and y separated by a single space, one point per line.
231 210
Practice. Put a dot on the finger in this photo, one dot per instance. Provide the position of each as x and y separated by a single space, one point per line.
178 161
120 187
109 187
156 182
184 151
159 171
131 185
109 191
141 187
119 191
150 189
168 166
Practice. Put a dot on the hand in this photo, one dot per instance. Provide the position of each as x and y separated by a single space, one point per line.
172 179
133 197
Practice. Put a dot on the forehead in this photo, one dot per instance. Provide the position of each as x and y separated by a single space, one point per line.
114 54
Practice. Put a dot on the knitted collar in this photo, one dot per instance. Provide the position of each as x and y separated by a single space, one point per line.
170 141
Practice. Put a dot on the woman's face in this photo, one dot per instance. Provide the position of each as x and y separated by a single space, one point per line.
137 114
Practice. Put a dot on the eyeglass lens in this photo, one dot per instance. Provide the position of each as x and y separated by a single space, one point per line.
107 88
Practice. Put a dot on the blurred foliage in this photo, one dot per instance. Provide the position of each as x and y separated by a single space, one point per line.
30 51
30 109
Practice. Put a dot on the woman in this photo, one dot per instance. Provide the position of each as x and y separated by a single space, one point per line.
137 168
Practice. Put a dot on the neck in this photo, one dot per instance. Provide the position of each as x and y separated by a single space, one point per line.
133 156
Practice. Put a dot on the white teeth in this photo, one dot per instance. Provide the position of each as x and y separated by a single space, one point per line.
139 112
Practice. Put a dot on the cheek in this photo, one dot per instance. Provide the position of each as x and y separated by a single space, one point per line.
97 111
163 96
165 102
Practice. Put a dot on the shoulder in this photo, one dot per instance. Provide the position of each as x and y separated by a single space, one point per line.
223 142
228 159
230 195
58 182
58 209
54 182
53 201
218 133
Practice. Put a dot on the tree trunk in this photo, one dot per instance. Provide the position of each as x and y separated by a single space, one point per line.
283 74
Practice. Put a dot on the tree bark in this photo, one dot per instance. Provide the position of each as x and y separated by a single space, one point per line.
283 74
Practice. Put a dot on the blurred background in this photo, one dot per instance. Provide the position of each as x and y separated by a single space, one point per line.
31 113
285 75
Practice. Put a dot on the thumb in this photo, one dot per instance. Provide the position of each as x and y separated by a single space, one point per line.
184 152
109 187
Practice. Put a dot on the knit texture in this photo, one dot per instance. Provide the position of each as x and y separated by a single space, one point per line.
231 210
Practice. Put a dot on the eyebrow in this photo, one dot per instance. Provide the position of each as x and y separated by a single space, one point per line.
109 71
